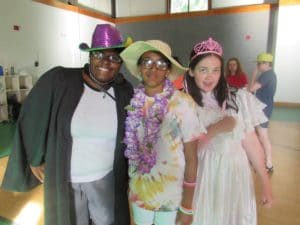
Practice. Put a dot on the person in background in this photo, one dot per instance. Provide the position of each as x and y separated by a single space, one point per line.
69 137
224 193
178 83
264 88
235 75
161 136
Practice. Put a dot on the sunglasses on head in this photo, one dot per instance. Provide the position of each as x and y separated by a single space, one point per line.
109 57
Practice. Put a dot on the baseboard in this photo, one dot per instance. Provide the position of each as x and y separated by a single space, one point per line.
287 104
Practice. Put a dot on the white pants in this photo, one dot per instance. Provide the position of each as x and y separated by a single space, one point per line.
148 217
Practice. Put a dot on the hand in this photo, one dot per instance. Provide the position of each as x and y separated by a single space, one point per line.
39 172
227 124
267 198
183 219
253 79
255 72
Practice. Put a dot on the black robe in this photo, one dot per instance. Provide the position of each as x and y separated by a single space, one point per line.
43 136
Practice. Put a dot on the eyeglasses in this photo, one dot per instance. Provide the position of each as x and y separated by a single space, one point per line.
205 70
160 64
102 56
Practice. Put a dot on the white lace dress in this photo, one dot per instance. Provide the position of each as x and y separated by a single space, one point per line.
225 194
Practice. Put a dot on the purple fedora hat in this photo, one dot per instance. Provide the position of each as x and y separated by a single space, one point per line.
106 36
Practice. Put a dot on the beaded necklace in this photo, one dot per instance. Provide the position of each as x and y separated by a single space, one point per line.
142 155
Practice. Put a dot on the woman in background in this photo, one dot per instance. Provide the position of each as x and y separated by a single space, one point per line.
235 75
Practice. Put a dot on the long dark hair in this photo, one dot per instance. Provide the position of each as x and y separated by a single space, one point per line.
221 91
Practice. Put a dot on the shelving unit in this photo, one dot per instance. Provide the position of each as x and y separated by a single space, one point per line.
13 86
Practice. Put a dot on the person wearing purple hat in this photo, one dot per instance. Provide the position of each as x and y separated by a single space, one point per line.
69 136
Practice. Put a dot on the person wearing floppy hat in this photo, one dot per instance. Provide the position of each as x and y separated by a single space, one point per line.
264 88
224 192
161 138
69 137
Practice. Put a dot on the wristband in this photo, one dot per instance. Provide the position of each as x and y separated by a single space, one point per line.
189 185
185 211
203 138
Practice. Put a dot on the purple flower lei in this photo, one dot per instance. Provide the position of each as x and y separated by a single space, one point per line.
142 155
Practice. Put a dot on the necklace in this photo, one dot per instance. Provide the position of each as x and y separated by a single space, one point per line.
102 86
141 153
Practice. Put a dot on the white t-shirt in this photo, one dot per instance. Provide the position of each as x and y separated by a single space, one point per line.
94 131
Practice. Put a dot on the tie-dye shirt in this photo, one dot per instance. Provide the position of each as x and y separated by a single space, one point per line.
161 189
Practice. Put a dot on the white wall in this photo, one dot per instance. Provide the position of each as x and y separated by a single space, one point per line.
51 36
287 63
47 34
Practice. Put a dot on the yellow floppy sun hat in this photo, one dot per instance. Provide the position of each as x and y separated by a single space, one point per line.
264 57
132 53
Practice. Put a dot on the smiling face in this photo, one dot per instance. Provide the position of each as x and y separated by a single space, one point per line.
154 70
104 64
207 73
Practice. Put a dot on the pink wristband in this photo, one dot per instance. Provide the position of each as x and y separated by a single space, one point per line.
189 185
203 138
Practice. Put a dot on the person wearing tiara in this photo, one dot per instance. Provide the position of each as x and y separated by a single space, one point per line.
161 138
224 193
69 136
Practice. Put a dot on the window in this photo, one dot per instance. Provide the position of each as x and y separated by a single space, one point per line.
198 5
229 3
178 6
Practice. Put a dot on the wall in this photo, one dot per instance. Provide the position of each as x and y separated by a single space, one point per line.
51 36
287 64
242 35
46 34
